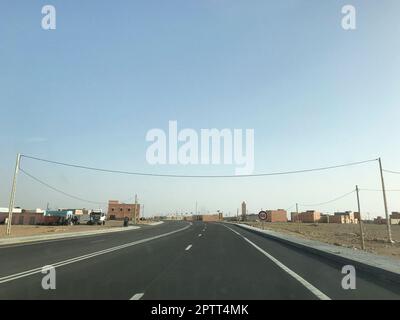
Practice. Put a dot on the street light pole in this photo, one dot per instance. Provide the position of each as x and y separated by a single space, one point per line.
389 230
360 221
12 197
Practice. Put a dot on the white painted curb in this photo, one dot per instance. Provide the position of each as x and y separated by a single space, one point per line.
155 223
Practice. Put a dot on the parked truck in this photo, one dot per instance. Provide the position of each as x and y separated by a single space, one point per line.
98 217
94 217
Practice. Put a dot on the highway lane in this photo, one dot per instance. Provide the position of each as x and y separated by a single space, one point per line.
220 265
203 261
20 257
113 275
323 273
240 270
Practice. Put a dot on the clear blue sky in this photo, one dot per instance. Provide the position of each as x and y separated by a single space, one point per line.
89 91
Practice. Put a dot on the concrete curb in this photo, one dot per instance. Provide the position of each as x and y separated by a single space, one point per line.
56 236
383 267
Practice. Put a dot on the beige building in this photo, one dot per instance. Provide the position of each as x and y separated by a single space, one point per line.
346 217
395 218
205 217
210 217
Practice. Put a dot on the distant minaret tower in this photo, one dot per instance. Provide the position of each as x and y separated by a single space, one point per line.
244 211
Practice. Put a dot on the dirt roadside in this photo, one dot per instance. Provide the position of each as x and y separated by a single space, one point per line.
345 235
32 230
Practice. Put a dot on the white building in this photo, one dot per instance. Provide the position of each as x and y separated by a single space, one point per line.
15 210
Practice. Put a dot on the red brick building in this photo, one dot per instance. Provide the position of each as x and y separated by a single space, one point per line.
309 216
118 211
30 217
279 215
22 216
295 217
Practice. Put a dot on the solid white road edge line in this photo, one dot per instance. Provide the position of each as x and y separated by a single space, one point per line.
84 257
319 294
137 296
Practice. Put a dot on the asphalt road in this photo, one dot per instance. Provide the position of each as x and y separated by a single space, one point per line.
178 260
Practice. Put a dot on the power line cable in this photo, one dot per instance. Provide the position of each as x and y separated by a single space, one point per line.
60 191
327 202
380 190
290 207
391 171
197 176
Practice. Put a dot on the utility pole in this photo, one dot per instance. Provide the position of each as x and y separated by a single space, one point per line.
196 209
135 221
12 197
297 217
360 220
385 203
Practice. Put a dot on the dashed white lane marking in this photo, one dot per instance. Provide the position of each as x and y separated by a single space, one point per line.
188 247
200 234
319 294
137 296
84 257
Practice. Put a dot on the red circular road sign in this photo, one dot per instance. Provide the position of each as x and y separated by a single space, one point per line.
262 215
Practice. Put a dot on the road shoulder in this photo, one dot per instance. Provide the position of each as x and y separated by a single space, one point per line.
44 237
384 267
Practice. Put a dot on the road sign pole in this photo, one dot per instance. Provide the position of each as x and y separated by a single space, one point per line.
12 197
360 220
262 215
389 230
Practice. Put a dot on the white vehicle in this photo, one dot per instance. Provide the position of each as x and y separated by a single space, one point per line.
98 217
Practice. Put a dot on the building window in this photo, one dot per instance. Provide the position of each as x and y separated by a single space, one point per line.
129 209
112 209
120 209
